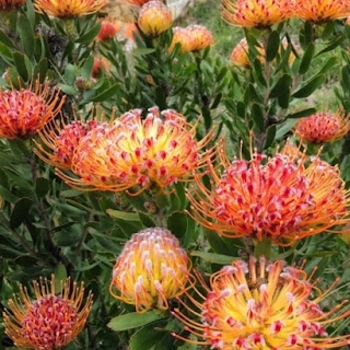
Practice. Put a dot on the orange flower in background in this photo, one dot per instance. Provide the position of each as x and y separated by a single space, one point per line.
321 10
25 112
52 320
109 29
68 8
155 18
8 5
156 151
279 198
151 269
101 65
130 30
239 55
61 141
256 13
182 37
259 305
323 127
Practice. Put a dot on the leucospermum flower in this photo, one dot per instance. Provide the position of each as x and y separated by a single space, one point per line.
156 152
8 5
26 111
50 321
279 198
323 127
68 8
321 10
262 305
151 270
239 55
154 18
182 37
256 13
59 141
110 27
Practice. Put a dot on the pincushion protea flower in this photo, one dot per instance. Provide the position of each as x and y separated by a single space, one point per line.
321 10
68 8
262 306
110 27
279 198
52 320
59 140
256 13
323 127
152 269
23 113
137 153
154 18
8 5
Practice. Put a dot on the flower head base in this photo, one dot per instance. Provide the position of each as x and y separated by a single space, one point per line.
155 18
23 113
263 306
321 10
49 322
278 198
323 127
8 5
256 13
135 152
68 8
151 270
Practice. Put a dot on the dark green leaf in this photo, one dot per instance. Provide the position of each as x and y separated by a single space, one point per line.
301 114
310 87
132 320
40 70
42 187
177 224
258 116
20 211
108 93
307 58
88 37
270 137
282 86
67 238
147 337
26 34
332 45
273 44
5 40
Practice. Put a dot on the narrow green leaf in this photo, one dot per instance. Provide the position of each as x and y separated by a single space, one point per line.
335 43
331 62
258 116
88 37
214 258
143 51
60 275
40 70
147 337
273 44
20 65
5 40
26 34
301 114
310 87
67 238
177 224
282 86
270 137
20 211
108 93
123 215
87 67
132 320
42 187
307 58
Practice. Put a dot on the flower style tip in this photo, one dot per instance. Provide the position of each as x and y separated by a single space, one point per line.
50 321
279 198
261 305
137 153
151 270
323 127
26 111
256 13
68 8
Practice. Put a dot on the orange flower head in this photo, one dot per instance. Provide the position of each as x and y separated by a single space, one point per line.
260 305
101 64
323 127
256 13
279 198
109 29
201 37
239 55
62 140
321 10
52 320
155 18
151 269
9 5
23 113
68 8
153 152
181 36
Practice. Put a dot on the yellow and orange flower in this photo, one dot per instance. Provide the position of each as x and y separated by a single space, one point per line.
68 8
9 5
261 305
151 270
52 320
61 141
321 10
239 55
279 198
25 112
256 13
101 65
110 27
323 127
182 37
155 18
137 153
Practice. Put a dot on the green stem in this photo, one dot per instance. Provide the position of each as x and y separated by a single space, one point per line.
263 248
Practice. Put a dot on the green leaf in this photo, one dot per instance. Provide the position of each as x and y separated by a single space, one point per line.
20 211
258 117
41 69
270 137
282 86
123 215
87 67
108 93
177 223
214 258
332 46
273 44
42 187
5 40
67 238
332 61
310 87
26 34
301 114
307 58
60 275
147 337
20 65
88 37
132 320
142 52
